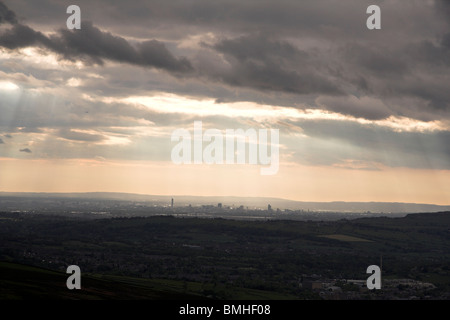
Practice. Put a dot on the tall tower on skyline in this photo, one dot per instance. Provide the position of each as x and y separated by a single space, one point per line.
171 205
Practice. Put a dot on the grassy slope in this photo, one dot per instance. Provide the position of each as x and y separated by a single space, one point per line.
24 282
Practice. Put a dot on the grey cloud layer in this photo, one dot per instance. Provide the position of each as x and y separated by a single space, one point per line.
265 64
6 15
92 45
304 54
300 49
331 143
330 19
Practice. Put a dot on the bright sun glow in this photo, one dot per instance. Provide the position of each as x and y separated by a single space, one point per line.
8 86
171 103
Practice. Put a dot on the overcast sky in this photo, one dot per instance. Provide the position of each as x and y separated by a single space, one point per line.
364 115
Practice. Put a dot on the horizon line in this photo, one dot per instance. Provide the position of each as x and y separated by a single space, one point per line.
219 196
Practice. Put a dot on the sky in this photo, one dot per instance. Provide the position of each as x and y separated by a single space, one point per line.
363 115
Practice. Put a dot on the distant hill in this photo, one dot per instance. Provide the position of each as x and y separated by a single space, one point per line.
251 202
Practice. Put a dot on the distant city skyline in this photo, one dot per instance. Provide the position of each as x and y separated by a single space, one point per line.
363 115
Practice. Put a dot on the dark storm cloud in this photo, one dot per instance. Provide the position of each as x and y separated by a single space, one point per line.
20 36
379 61
410 78
96 45
325 18
7 15
288 53
26 150
446 41
443 8
261 47
92 45
367 108
266 64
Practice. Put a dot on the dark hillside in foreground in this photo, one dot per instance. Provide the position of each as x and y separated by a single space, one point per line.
226 259
23 282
